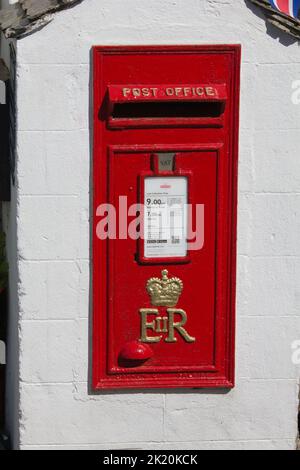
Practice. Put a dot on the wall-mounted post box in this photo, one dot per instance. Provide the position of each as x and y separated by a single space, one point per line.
164 233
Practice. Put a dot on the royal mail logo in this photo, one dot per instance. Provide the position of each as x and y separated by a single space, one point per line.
165 324
164 292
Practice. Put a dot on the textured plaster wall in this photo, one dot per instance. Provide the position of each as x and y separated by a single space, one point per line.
52 197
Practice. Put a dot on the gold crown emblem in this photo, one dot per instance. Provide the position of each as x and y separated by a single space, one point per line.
164 292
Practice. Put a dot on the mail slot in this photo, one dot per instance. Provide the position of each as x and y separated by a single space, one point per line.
166 125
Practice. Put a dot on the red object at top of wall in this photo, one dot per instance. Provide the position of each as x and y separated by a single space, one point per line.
166 123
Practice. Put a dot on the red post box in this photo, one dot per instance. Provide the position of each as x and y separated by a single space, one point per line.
166 123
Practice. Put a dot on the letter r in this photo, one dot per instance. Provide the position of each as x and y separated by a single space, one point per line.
178 326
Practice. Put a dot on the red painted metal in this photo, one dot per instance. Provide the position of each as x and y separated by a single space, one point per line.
206 151
136 351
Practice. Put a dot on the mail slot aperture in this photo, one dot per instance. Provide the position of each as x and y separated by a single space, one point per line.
165 197
151 105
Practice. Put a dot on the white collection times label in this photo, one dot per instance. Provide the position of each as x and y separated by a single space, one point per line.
165 221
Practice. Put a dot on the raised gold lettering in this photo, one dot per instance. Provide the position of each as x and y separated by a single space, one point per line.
200 91
210 91
145 92
169 91
178 326
162 325
145 325
136 92
166 324
158 325
126 92
154 91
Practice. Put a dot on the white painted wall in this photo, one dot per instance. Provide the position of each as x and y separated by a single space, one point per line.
52 229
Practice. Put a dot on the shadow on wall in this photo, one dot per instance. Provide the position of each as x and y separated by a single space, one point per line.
3 318
283 37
